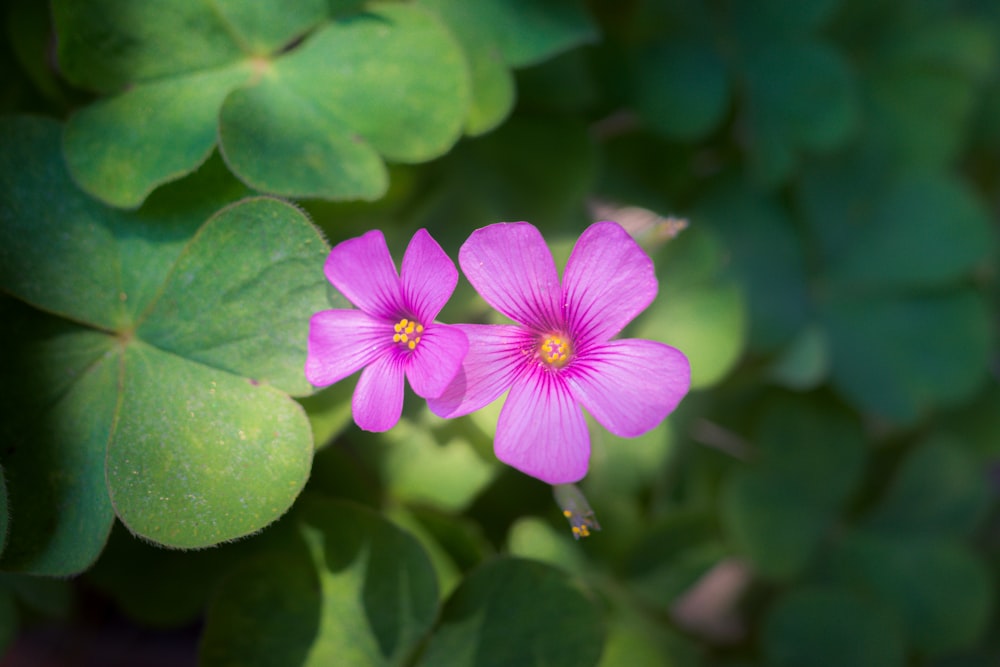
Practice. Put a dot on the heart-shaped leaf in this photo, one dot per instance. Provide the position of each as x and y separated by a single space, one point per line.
164 368
388 83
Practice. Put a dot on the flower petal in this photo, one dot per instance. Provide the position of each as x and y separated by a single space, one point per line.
512 269
629 385
609 280
541 430
436 359
362 270
342 342
428 277
378 399
495 358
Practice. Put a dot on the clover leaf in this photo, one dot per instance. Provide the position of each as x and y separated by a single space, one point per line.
155 385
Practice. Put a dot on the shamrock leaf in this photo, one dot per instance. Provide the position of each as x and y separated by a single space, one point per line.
302 103
155 387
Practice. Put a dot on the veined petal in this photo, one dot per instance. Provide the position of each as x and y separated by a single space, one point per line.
378 399
541 430
436 359
496 356
342 342
629 385
428 277
609 280
512 269
362 270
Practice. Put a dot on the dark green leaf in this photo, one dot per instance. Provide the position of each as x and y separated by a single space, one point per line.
181 413
351 589
682 89
924 230
516 612
900 357
830 627
954 507
941 590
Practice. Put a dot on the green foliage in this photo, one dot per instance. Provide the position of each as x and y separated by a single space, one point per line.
816 183
157 386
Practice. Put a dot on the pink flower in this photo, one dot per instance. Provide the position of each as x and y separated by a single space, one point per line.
560 355
392 332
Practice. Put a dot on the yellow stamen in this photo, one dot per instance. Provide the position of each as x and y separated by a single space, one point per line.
405 331
555 350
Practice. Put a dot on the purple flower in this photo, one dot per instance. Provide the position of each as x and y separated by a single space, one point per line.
560 356
392 332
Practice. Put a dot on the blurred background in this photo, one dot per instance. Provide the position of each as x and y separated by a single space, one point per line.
818 183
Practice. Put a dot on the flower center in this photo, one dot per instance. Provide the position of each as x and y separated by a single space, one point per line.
407 333
555 350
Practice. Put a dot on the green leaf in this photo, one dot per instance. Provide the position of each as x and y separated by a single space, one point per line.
60 416
390 83
811 458
901 244
671 556
516 612
941 590
121 148
760 241
350 589
531 537
179 591
530 169
901 356
682 89
492 84
942 60
394 74
276 140
530 32
801 96
805 363
189 346
830 627
222 457
958 503
106 45
433 468
235 297
700 310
